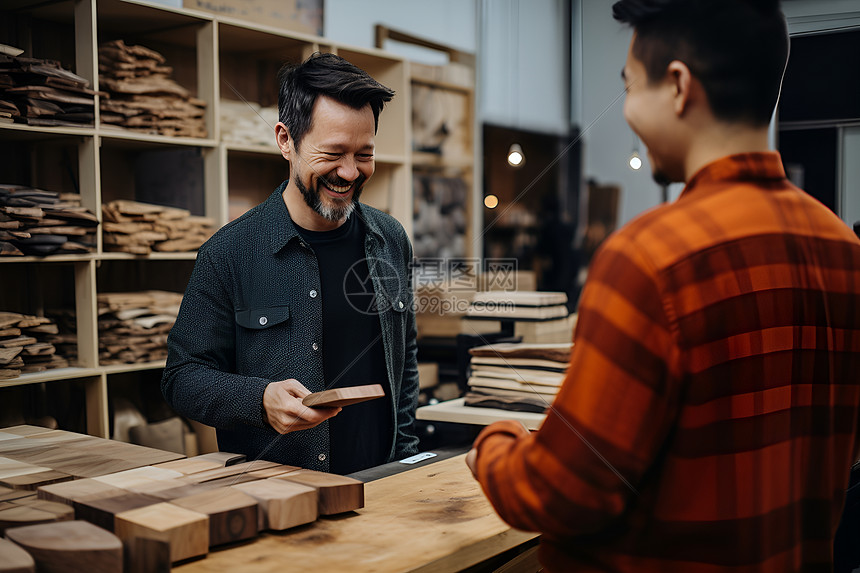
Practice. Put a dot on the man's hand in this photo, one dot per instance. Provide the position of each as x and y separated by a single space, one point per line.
282 405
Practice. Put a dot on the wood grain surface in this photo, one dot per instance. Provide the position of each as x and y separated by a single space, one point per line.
337 493
431 518
13 559
282 504
339 397
33 481
78 490
70 546
103 511
186 531
232 513
230 471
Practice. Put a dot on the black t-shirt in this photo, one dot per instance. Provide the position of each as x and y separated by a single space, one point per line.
353 355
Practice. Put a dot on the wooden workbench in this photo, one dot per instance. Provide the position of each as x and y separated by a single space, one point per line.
432 518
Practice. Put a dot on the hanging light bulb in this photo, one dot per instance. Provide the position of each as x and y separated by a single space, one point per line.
516 157
635 162
491 201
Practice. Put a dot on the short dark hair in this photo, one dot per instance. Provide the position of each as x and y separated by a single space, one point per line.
328 75
737 49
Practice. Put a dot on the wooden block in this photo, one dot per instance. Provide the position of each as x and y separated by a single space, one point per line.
224 458
70 546
79 490
186 531
13 559
234 470
129 479
232 513
273 471
8 494
31 482
103 512
144 555
282 504
11 468
337 493
191 465
21 515
338 397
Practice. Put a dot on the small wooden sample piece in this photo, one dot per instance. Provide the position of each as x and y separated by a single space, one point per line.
104 511
70 546
282 504
338 397
78 490
27 511
32 481
230 471
186 531
13 559
232 513
337 493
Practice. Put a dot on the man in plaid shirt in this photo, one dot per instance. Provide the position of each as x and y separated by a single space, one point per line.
709 417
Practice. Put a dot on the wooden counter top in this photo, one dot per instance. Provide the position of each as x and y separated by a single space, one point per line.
432 518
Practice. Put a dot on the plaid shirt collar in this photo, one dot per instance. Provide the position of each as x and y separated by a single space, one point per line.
755 166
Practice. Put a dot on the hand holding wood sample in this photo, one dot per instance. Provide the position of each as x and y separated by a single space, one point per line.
339 397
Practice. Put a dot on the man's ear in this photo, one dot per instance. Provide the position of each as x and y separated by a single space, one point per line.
681 81
282 136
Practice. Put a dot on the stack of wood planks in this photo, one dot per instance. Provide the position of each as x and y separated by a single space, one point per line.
156 507
247 123
140 228
42 92
38 222
517 376
24 347
133 327
143 97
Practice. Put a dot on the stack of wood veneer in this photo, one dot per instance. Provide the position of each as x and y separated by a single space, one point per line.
38 222
140 228
143 97
516 376
24 345
154 510
42 92
133 327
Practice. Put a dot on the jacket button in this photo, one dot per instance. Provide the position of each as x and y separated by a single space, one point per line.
321 457
313 294
263 321
315 346
400 304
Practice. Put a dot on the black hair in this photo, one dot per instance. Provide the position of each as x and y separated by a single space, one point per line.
737 49
328 75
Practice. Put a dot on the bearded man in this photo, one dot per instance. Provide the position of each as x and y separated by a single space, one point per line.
308 291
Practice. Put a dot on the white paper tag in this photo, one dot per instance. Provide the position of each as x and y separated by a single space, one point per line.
418 458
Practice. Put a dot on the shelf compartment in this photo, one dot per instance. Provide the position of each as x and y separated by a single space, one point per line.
251 178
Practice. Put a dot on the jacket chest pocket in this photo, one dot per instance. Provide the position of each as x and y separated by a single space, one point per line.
262 340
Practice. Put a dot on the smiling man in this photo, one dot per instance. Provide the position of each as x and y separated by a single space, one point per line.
308 291
710 411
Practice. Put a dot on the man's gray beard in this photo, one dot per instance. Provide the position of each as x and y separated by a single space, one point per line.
335 213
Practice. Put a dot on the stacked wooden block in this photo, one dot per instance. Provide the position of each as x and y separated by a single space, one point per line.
25 346
516 376
248 123
143 97
42 92
140 228
133 327
152 514
38 222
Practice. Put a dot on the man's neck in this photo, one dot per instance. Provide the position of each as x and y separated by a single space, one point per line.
722 140
302 214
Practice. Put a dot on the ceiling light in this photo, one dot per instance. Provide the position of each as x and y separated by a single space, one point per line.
491 201
516 157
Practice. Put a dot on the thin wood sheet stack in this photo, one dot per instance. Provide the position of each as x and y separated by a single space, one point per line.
24 345
248 123
519 305
143 97
157 508
133 327
516 376
42 92
38 222
141 228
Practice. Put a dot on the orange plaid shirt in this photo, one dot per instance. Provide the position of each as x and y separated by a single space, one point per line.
709 417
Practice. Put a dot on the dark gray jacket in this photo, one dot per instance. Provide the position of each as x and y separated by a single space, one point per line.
248 318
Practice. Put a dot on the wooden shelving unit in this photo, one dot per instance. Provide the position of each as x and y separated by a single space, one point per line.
209 54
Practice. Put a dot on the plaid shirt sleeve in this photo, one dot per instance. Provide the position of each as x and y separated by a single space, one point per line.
610 416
